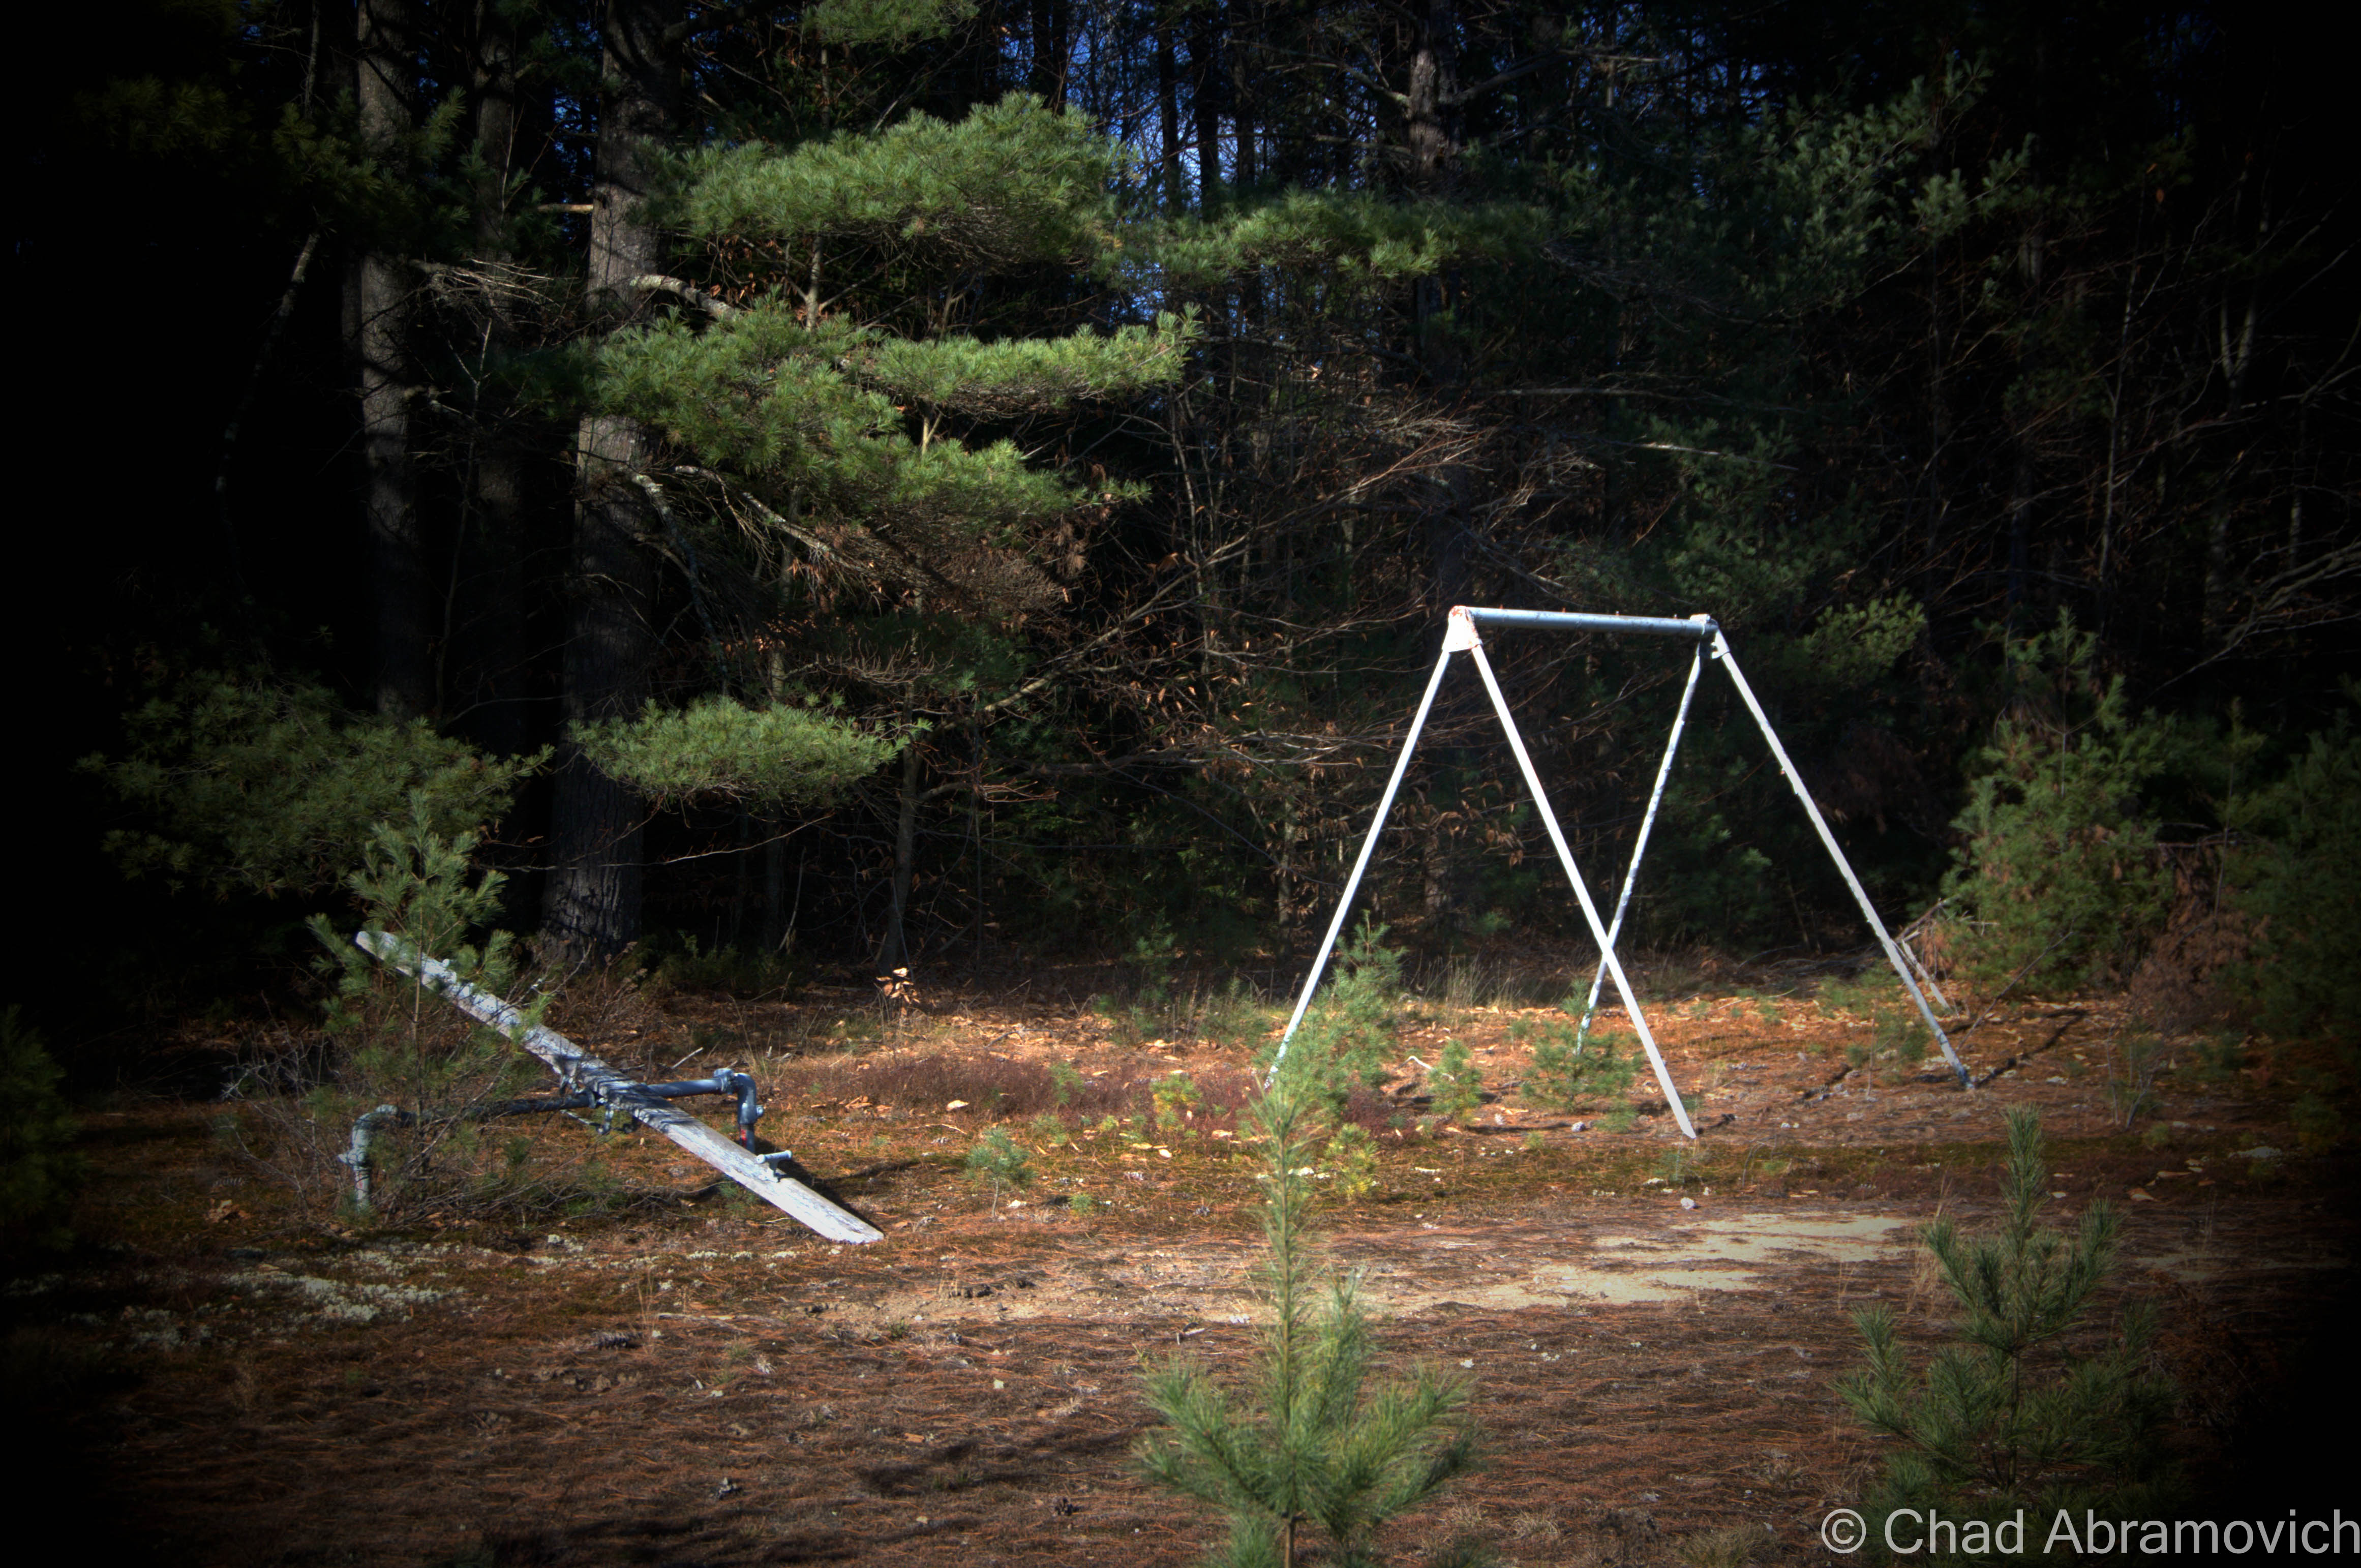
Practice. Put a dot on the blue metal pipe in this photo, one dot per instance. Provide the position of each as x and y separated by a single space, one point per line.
739 1084
1698 626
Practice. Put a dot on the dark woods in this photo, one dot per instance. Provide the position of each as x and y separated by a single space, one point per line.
918 482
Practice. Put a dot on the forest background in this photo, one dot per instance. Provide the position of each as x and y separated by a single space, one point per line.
914 482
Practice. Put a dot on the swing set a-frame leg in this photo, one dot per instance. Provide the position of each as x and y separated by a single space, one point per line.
1861 896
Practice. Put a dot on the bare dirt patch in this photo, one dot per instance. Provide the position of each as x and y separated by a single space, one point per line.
686 1379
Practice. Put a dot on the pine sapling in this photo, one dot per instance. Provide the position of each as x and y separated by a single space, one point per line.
1347 1039
1456 1084
2007 1416
998 1160
1311 1452
422 1075
1176 1098
1353 1162
1569 1071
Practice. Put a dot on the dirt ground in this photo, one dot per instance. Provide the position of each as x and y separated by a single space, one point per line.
1653 1328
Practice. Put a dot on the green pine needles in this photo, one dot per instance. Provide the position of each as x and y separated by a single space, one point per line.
245 783
2296 874
39 1170
719 750
1312 1451
998 1160
1569 1072
399 1046
2059 860
1456 1083
2007 1418
1348 1038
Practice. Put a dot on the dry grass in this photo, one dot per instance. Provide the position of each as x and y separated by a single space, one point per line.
1729 1547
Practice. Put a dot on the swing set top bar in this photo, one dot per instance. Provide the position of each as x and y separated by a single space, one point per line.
1700 626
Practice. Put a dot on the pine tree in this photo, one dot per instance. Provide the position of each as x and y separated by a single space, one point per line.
2008 1417
856 417
1316 1451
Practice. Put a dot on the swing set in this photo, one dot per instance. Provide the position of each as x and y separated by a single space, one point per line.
1461 636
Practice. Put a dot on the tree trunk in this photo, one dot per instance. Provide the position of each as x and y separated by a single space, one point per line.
1241 93
1052 32
492 653
2236 350
1938 425
1206 100
1431 139
592 902
777 922
895 952
2015 607
1433 78
1167 104
385 95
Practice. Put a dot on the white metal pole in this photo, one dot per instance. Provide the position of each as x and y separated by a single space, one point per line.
1457 634
1639 848
1869 911
1581 893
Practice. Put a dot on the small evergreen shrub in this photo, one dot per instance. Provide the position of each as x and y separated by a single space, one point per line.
1175 1097
1677 1169
2060 866
691 967
2318 1121
400 1052
1568 1072
1233 1016
1905 1034
1864 994
2221 1058
2006 1416
1309 1451
1731 1546
1455 1085
2295 877
1156 1009
39 1171
997 1160
2133 1064
1352 1160
1347 1039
